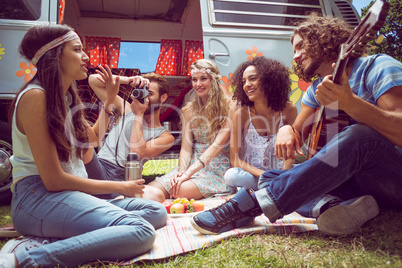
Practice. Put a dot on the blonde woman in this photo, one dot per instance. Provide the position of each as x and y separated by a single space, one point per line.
204 154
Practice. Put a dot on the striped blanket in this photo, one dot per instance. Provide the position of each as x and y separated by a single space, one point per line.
178 236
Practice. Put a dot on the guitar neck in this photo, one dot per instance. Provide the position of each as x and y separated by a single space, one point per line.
340 66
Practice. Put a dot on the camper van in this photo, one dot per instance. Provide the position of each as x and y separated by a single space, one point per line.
165 36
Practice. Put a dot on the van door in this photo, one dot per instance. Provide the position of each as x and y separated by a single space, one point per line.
237 30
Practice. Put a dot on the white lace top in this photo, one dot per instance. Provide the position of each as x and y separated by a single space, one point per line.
259 151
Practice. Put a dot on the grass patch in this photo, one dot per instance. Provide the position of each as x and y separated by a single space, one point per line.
377 244
155 168
159 167
5 215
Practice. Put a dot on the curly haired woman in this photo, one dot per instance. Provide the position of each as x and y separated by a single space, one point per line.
204 154
262 89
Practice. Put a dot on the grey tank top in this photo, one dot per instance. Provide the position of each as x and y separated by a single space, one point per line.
108 151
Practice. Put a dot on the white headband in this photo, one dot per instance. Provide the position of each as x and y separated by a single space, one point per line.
52 44
200 70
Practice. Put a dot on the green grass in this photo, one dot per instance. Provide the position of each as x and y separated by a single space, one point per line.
158 167
155 168
377 244
5 215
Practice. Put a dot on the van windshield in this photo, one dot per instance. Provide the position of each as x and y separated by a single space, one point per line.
20 9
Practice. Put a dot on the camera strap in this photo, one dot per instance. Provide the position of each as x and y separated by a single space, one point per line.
125 98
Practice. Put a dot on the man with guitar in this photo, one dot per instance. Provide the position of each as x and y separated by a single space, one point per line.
361 167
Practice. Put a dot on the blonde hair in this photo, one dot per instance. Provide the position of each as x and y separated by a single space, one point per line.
216 110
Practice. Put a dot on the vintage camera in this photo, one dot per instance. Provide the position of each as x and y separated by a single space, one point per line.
140 93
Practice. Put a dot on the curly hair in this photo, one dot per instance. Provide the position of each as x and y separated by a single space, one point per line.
216 110
274 81
322 38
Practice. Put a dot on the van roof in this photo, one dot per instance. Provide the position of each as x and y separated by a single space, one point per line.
166 10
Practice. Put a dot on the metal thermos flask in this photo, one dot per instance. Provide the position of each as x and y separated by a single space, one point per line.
133 169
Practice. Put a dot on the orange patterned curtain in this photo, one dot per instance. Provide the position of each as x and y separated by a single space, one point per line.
193 51
62 5
102 50
169 61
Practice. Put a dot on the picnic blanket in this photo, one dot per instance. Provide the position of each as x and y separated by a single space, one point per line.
8 231
178 236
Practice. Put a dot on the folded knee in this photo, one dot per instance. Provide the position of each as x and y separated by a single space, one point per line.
232 176
154 193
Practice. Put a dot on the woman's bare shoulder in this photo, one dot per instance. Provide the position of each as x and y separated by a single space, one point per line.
290 112
32 97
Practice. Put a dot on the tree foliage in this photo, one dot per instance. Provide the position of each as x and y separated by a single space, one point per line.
392 31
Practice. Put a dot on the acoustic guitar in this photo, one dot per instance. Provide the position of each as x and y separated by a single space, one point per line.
322 129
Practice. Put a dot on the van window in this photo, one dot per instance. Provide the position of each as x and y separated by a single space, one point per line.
279 14
20 9
139 55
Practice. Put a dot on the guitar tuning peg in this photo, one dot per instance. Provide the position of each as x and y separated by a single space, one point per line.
368 37
355 54
360 46
379 39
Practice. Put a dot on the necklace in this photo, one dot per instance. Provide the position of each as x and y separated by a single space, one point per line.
264 126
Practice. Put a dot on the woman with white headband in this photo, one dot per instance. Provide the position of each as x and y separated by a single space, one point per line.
204 154
51 191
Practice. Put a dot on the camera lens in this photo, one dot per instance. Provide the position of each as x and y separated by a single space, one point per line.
140 94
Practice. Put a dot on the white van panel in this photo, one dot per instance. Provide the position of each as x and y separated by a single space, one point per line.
228 52
229 43
11 34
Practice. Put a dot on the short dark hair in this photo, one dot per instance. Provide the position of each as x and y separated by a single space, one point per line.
163 84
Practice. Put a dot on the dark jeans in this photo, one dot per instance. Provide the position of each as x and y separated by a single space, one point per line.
101 169
358 161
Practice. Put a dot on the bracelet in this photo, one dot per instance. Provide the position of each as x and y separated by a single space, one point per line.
203 165
107 112
294 131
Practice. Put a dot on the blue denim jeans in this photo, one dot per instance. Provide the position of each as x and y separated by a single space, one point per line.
237 177
101 169
89 228
358 161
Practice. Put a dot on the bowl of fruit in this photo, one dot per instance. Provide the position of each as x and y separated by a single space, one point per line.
182 207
